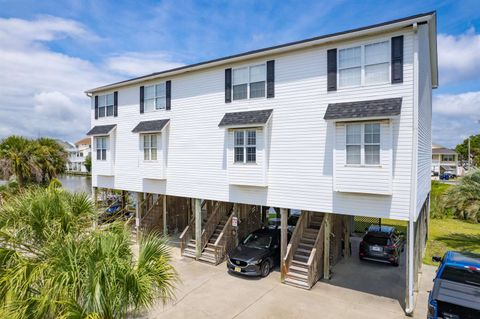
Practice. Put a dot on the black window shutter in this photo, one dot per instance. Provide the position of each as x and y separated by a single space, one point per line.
228 85
332 70
115 103
141 99
397 59
270 78
96 106
168 89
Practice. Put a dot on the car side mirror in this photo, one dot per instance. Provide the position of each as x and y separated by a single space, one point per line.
437 259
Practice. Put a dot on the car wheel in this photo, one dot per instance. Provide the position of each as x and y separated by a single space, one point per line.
265 268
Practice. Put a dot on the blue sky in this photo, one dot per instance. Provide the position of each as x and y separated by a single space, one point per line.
51 51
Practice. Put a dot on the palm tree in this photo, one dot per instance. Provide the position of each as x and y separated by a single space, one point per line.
16 158
464 199
53 264
51 158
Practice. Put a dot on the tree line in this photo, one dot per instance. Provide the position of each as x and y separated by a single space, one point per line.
31 160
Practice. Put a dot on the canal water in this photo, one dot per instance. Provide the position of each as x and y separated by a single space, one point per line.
73 183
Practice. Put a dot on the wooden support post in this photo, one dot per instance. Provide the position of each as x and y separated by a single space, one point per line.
124 200
326 248
165 229
198 227
283 240
138 214
346 239
95 204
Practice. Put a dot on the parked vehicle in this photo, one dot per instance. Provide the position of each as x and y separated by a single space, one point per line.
447 175
257 254
456 287
381 243
113 212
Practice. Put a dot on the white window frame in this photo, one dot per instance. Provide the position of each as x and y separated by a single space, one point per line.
249 82
155 97
362 63
448 156
363 144
151 149
103 148
244 146
103 104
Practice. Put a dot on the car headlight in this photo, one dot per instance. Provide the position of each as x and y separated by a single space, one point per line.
256 262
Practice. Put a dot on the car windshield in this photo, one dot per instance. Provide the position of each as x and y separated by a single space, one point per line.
463 275
376 240
258 241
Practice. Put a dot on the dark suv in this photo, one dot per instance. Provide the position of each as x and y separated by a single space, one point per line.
381 243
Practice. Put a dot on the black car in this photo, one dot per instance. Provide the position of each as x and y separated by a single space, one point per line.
381 243
257 254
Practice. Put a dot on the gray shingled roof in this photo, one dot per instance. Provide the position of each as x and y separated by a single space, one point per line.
444 151
363 109
150 126
101 129
246 118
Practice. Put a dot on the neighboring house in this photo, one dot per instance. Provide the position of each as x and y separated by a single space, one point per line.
71 150
336 126
444 160
83 149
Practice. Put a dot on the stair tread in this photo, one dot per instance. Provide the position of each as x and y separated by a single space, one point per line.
302 250
296 283
297 268
298 262
297 276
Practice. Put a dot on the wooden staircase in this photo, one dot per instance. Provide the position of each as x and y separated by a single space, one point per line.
303 262
213 229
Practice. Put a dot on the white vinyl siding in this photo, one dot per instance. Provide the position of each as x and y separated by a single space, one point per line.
150 147
295 166
364 64
249 82
105 105
155 97
101 148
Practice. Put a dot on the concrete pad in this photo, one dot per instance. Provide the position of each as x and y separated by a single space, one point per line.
208 291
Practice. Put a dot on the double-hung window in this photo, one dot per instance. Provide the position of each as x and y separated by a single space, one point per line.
155 97
249 82
245 146
101 148
105 105
150 147
363 144
448 158
364 65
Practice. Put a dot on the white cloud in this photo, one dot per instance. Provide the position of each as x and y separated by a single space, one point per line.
135 63
458 104
42 90
458 56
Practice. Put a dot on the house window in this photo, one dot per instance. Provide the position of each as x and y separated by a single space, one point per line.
105 105
448 158
101 147
249 82
155 97
364 65
245 146
150 147
366 150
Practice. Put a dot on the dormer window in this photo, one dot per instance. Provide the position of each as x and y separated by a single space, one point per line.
245 146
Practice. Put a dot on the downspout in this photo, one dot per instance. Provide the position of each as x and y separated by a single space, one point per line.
410 302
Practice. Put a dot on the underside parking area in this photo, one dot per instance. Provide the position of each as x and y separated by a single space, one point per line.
355 291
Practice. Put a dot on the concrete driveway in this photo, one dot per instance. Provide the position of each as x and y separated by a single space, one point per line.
208 291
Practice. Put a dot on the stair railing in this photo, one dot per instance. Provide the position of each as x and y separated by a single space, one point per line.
212 223
315 260
187 234
292 246
150 209
226 240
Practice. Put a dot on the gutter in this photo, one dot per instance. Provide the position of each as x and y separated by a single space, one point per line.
349 34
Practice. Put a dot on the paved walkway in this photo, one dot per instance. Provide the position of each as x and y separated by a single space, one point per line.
207 291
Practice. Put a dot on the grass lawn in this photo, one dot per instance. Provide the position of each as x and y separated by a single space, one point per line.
451 234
